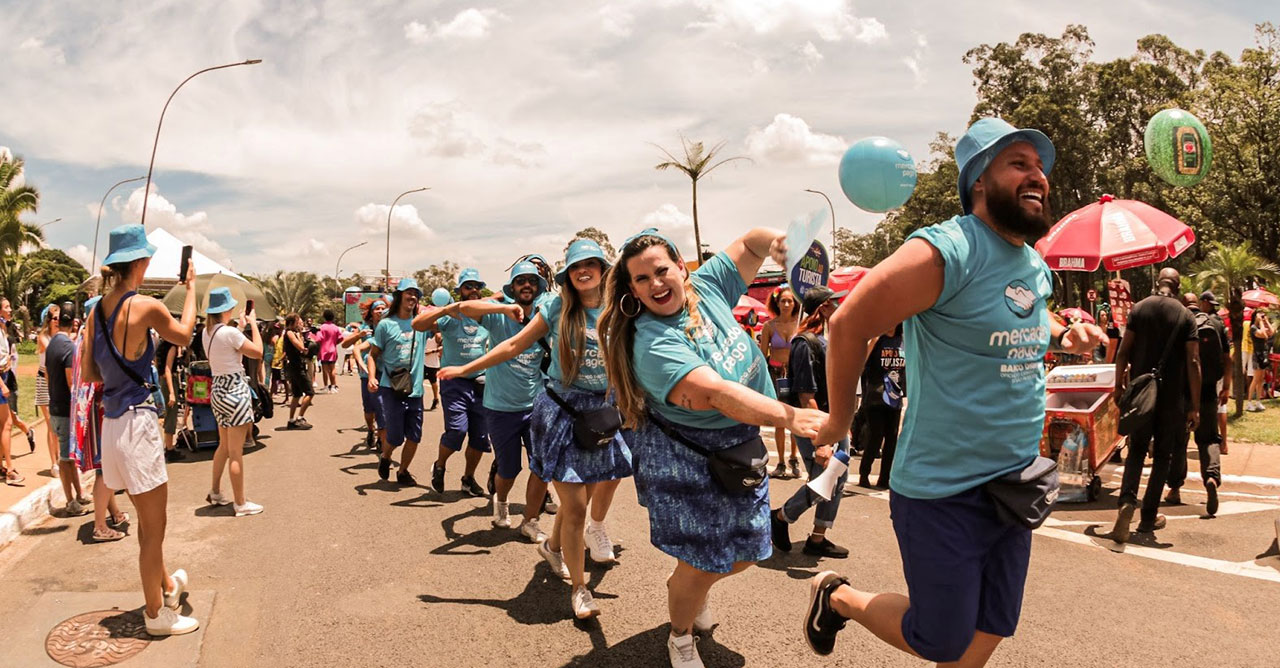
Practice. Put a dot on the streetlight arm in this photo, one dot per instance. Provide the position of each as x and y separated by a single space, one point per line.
833 219
102 205
343 254
387 269
156 143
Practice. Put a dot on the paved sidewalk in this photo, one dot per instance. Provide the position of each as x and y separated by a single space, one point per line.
29 503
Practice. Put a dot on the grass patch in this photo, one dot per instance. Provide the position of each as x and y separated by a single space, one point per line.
1261 427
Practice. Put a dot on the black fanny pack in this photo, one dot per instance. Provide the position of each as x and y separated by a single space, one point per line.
740 469
1026 497
402 379
594 429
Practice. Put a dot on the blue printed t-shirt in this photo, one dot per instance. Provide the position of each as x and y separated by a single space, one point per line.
975 363
364 355
397 340
591 374
513 385
663 354
463 340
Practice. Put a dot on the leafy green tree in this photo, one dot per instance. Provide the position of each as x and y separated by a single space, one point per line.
442 275
293 291
16 200
44 269
597 236
697 163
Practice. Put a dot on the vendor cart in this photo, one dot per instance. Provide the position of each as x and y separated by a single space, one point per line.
1080 427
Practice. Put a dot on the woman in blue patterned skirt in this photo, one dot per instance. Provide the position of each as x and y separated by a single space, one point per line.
684 372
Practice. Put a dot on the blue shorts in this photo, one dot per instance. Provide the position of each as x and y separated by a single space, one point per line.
401 417
464 415
509 433
965 571
6 379
62 429
371 402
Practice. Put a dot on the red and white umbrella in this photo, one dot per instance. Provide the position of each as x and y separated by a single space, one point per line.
1114 233
748 304
846 278
1261 298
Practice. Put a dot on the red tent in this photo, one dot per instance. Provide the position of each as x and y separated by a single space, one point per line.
846 278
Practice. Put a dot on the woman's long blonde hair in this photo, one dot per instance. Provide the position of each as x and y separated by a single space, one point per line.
618 329
571 344
46 326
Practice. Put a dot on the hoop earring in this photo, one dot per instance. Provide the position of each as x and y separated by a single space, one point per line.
622 305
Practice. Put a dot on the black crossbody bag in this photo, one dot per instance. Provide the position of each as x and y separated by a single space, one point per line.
594 429
1138 403
1026 497
740 469
402 379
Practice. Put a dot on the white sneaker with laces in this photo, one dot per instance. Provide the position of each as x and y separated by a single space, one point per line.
683 651
173 599
501 514
249 508
169 623
217 499
598 544
555 560
584 606
530 529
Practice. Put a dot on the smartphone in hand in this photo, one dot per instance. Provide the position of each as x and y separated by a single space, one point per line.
248 307
186 263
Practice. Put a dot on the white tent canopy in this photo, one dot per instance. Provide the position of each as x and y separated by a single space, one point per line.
162 273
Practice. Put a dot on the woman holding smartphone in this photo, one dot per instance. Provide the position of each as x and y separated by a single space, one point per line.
231 398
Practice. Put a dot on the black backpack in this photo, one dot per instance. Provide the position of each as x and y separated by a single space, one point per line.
1211 351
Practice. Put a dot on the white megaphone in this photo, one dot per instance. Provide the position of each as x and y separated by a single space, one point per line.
825 484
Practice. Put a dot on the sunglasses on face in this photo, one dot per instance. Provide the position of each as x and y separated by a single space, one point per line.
524 280
470 286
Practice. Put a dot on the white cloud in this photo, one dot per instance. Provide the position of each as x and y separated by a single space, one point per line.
37 48
446 130
616 20
372 219
675 224
831 20
810 55
82 254
789 140
467 24
915 62
194 229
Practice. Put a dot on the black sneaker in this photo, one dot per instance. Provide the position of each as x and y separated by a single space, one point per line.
434 404
369 440
1173 498
493 473
822 622
1211 488
303 424
292 424
173 455
384 468
779 532
406 479
1120 532
471 487
31 439
825 548
1155 525
437 477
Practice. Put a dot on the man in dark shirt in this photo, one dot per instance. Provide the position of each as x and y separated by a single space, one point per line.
1215 388
58 357
1158 324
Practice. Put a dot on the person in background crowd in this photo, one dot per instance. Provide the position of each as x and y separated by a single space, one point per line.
120 353
1260 332
328 337
295 367
775 343
48 325
9 399
230 397
1214 389
685 375
396 352
1106 353
358 341
59 355
1161 334
884 384
270 333
432 361
345 362
167 356
86 430
278 358
808 373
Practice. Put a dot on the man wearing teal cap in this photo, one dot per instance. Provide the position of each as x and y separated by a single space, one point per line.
395 373
971 292
462 339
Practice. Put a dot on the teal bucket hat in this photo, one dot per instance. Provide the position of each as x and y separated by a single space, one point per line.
579 250
469 275
220 301
128 243
44 314
90 303
983 141
408 284
524 268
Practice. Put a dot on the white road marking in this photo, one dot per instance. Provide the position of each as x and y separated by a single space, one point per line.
1227 508
1248 569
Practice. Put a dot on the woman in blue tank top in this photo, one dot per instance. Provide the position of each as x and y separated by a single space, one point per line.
120 356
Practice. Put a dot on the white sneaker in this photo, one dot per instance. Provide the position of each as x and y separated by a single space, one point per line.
683 651
584 606
530 529
74 509
501 514
704 622
173 599
249 508
217 499
598 544
555 560
169 623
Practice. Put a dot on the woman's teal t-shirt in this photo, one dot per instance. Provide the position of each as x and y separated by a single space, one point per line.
591 374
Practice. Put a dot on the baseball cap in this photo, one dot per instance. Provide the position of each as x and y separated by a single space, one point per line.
1208 296
818 295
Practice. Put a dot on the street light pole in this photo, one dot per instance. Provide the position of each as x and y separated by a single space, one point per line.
93 263
833 219
386 270
339 262
146 193
43 225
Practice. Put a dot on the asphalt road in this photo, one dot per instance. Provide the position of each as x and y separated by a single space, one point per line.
343 569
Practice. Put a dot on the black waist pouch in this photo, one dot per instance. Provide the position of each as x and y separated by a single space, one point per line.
1026 497
594 429
739 469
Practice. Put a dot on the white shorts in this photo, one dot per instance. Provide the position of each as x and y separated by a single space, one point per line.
1248 364
133 452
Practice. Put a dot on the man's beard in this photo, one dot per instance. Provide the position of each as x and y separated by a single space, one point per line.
525 301
1007 214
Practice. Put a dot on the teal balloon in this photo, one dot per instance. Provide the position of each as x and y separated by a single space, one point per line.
1178 147
441 297
877 174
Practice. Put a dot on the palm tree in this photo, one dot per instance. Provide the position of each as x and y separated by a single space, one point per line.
16 200
1230 270
696 164
292 291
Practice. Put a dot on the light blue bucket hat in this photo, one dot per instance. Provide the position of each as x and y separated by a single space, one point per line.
983 141
128 243
579 250
220 301
90 303
469 275
408 284
524 268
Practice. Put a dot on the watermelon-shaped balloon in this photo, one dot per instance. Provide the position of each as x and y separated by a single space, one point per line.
877 174
1178 147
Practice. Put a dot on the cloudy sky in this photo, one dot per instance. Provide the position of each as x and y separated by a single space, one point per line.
528 120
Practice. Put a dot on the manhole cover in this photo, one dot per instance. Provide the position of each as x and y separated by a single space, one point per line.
101 638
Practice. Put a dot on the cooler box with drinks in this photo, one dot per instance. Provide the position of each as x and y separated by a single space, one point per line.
1080 427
